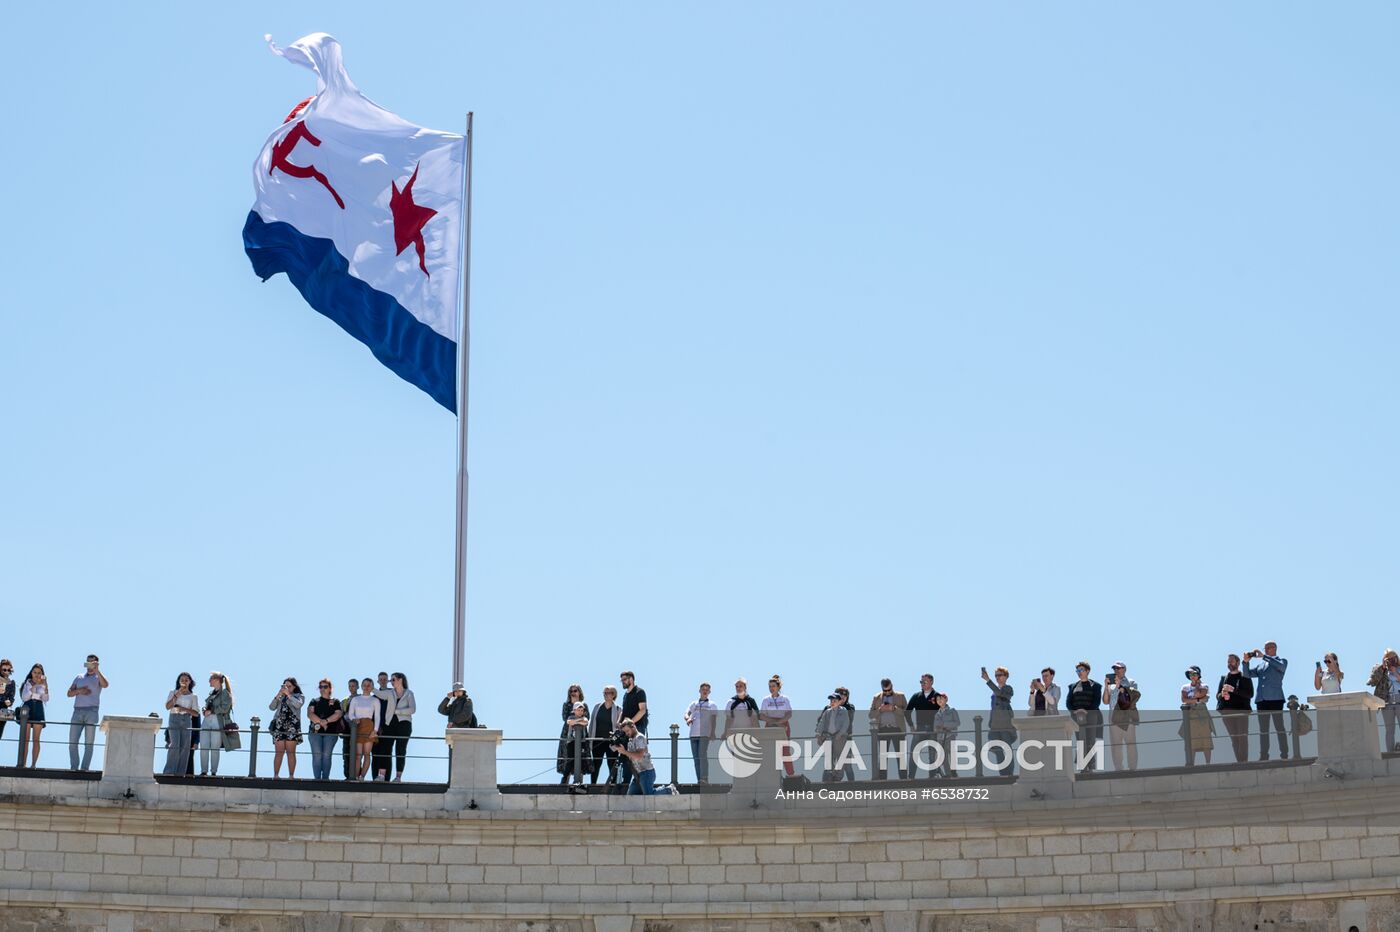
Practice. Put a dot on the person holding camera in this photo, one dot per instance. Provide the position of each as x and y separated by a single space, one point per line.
457 706
86 693
327 720
1268 695
1121 695
1327 678
1083 700
1385 681
1001 726
183 705
1232 701
632 745
1045 694
285 727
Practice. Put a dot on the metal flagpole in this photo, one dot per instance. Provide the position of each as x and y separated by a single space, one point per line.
464 335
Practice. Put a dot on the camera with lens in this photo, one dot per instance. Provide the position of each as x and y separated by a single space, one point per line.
617 737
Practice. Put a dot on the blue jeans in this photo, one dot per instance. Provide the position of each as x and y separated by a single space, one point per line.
177 758
700 753
83 719
322 748
643 783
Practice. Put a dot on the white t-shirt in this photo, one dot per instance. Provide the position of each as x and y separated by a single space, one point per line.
188 702
702 718
1331 682
776 706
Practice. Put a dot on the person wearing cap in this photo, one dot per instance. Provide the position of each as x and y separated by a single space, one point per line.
887 726
1197 730
457 706
1121 695
833 727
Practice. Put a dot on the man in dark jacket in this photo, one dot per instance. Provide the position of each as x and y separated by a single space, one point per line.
919 713
457 706
1232 699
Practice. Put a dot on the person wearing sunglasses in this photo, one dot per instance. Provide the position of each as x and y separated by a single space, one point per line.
327 719
1000 725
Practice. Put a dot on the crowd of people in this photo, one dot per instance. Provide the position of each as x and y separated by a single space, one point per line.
373 722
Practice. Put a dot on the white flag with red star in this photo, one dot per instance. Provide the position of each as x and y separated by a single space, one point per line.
363 211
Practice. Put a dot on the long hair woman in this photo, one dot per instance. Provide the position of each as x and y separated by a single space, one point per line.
183 705
33 694
218 706
364 727
286 726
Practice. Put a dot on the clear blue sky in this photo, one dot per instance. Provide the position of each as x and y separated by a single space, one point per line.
822 339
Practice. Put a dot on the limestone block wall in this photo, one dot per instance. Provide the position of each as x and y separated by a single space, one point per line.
1308 845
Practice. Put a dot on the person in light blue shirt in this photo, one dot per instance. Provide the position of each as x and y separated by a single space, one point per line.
1268 695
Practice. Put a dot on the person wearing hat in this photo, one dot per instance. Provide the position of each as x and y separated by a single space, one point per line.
833 725
1121 695
1197 729
457 706
574 746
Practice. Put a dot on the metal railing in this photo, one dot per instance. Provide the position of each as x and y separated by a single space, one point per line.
18 731
257 755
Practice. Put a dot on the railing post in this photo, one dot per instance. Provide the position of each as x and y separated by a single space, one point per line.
1186 737
22 718
1293 727
675 753
977 741
576 737
253 746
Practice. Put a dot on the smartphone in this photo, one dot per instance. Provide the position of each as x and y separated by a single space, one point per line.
1110 677
1319 664
984 671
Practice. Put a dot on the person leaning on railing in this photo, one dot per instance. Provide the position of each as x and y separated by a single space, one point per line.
946 723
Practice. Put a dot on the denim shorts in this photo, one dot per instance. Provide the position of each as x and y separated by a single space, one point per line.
36 710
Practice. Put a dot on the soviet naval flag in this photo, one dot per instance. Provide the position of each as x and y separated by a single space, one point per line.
363 212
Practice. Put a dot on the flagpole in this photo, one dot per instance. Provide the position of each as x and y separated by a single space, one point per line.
464 334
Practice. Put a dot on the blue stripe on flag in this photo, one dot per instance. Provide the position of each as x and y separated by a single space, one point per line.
409 347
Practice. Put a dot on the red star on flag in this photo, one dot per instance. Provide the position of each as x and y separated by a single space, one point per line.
409 219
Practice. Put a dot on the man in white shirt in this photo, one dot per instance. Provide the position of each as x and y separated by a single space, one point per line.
774 712
700 716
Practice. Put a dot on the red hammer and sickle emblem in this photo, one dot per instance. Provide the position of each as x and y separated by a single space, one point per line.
281 150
